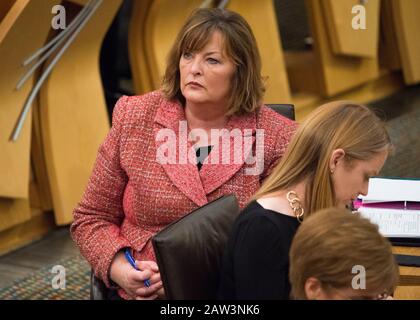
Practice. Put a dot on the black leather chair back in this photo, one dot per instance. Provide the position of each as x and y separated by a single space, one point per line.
286 110
98 290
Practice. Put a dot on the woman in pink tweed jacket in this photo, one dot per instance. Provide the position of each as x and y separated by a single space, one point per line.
145 177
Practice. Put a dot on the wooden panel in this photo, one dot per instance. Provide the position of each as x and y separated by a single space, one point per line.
407 293
262 19
343 38
34 196
409 275
407 24
336 73
5 6
164 20
384 86
39 188
22 31
33 191
301 71
25 233
11 12
74 119
13 212
389 56
79 2
140 69
409 286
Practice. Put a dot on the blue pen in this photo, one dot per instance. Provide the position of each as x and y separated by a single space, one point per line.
130 259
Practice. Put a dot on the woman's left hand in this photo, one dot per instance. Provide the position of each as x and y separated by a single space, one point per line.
154 279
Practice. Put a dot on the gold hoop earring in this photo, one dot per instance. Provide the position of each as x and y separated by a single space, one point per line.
296 205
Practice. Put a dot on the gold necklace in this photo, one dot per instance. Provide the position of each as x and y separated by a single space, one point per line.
296 205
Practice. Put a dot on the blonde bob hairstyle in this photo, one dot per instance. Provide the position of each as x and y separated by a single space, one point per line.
330 243
346 125
247 87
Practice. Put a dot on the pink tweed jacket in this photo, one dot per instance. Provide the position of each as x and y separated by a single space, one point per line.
130 196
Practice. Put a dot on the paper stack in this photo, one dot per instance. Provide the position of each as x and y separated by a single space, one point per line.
394 205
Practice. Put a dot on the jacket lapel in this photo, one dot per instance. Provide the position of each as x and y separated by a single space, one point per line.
172 147
228 156
225 159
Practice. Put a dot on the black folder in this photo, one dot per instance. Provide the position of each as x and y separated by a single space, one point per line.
405 242
407 260
189 251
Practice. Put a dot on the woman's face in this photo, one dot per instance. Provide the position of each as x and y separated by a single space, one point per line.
352 180
206 75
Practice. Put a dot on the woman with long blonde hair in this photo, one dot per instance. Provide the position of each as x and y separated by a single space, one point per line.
327 164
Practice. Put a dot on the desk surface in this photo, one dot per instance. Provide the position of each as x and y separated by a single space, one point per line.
408 275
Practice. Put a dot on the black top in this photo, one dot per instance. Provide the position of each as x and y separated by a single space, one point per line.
202 153
256 260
